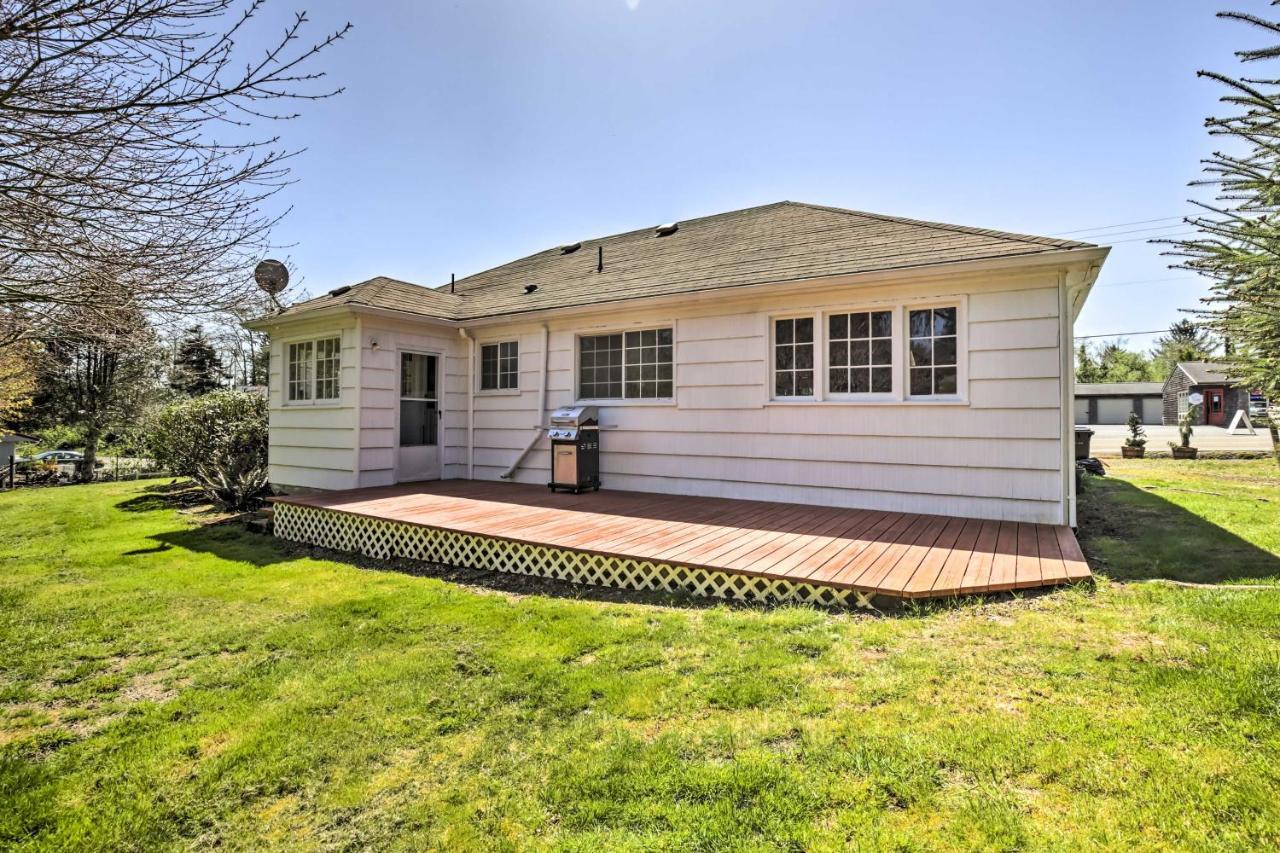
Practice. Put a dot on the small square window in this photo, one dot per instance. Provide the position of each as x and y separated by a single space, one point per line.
500 366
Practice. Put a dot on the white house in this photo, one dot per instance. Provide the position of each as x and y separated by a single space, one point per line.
789 352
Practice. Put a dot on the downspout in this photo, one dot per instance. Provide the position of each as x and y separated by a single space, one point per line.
471 402
542 407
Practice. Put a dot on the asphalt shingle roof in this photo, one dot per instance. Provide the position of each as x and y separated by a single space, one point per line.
1206 372
775 243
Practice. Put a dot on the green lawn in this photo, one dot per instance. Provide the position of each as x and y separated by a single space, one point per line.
168 686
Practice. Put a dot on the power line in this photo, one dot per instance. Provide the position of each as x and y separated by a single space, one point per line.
1121 334
1103 236
1147 281
1117 225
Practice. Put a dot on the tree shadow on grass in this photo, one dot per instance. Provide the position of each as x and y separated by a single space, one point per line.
1129 533
180 494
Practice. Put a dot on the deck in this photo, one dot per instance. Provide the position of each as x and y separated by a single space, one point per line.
731 548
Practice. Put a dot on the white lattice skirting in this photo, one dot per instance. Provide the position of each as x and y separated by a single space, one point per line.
383 539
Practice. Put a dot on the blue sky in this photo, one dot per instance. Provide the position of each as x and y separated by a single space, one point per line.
472 133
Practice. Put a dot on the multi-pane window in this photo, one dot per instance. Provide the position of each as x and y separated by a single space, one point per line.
793 357
313 370
932 346
328 358
500 366
630 365
860 353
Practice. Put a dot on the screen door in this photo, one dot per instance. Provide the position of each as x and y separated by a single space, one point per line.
419 434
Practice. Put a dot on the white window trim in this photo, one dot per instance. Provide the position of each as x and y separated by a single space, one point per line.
313 339
961 305
894 394
901 355
819 357
622 330
496 392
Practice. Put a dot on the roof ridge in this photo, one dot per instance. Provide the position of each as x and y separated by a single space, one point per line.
947 226
722 215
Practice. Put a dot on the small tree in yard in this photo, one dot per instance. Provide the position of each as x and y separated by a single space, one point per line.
1135 444
1185 430
197 369
220 441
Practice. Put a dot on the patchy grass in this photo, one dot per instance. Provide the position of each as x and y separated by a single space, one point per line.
163 685
1202 521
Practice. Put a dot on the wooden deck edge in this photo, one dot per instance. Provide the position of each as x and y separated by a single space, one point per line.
765 573
742 584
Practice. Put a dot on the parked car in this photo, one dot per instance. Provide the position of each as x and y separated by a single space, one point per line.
61 464
54 457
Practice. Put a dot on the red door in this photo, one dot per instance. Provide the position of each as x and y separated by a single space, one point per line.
1215 410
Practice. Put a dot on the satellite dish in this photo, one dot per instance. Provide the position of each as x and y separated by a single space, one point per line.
271 275
1195 398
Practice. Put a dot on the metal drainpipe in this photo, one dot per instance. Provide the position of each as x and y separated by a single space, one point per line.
471 402
542 407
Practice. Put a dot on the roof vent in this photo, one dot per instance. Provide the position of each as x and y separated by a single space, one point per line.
570 248
666 230
338 291
530 288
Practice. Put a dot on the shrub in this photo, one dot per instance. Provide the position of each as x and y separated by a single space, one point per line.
220 441
60 437
1136 432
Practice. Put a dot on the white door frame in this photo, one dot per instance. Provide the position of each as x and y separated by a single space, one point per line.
431 471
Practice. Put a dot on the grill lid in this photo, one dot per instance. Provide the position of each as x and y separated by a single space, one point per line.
574 416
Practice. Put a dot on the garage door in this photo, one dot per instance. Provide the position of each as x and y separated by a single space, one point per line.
1153 410
1114 410
1082 411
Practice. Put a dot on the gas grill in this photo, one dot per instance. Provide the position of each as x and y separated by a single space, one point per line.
575 449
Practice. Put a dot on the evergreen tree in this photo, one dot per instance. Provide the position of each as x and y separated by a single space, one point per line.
197 369
1112 363
1185 342
1238 246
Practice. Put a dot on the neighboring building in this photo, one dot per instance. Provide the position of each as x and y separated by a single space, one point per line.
1222 398
8 453
1112 402
789 352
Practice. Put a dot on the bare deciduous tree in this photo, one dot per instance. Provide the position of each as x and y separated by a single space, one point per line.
132 167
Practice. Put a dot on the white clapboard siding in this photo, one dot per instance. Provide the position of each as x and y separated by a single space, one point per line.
313 446
998 453
995 453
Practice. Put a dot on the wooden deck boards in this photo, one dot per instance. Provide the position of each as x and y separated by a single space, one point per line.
888 553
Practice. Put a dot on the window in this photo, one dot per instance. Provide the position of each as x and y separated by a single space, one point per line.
500 366
860 353
626 365
793 357
933 351
313 371
418 400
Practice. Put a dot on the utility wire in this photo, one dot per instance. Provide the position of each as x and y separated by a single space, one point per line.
1117 225
1121 334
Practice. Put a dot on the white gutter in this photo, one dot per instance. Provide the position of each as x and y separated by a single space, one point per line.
471 402
542 407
